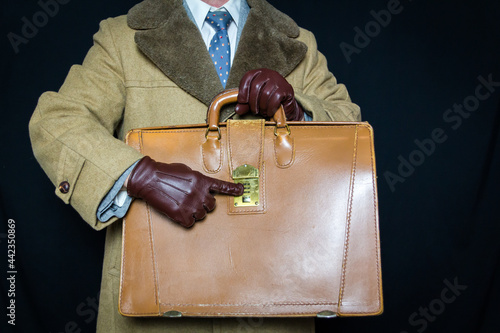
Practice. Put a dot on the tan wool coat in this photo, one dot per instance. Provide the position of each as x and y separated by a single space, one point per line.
151 68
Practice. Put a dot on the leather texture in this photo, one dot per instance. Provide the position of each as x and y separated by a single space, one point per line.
184 195
309 245
262 91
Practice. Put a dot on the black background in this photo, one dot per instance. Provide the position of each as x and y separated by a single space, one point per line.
440 224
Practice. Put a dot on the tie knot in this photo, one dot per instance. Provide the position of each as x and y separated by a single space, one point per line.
219 20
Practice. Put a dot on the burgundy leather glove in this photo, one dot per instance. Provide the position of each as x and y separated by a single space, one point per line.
177 191
263 90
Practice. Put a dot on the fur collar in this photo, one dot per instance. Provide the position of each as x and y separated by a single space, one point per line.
169 39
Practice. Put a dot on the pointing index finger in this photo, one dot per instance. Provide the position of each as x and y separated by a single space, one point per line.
223 187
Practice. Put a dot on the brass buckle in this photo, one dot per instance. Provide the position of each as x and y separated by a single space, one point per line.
249 177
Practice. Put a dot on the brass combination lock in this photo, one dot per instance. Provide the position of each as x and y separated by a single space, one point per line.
249 177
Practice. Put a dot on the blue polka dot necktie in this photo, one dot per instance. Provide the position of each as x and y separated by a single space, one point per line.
219 49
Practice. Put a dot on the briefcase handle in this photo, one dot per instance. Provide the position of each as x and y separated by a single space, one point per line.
231 96
211 148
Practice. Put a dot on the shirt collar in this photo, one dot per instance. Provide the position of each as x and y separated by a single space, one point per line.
199 9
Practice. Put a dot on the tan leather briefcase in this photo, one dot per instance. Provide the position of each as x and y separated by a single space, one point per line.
303 240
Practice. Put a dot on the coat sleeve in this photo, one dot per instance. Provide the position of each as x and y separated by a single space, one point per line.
71 131
316 88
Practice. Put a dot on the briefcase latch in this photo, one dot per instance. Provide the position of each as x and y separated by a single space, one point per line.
249 177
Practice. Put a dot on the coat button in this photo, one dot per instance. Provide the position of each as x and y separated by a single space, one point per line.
64 187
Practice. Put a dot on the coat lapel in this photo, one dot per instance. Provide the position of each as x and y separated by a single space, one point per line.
267 41
172 42
166 35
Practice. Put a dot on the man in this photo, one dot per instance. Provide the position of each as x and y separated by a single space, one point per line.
152 68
